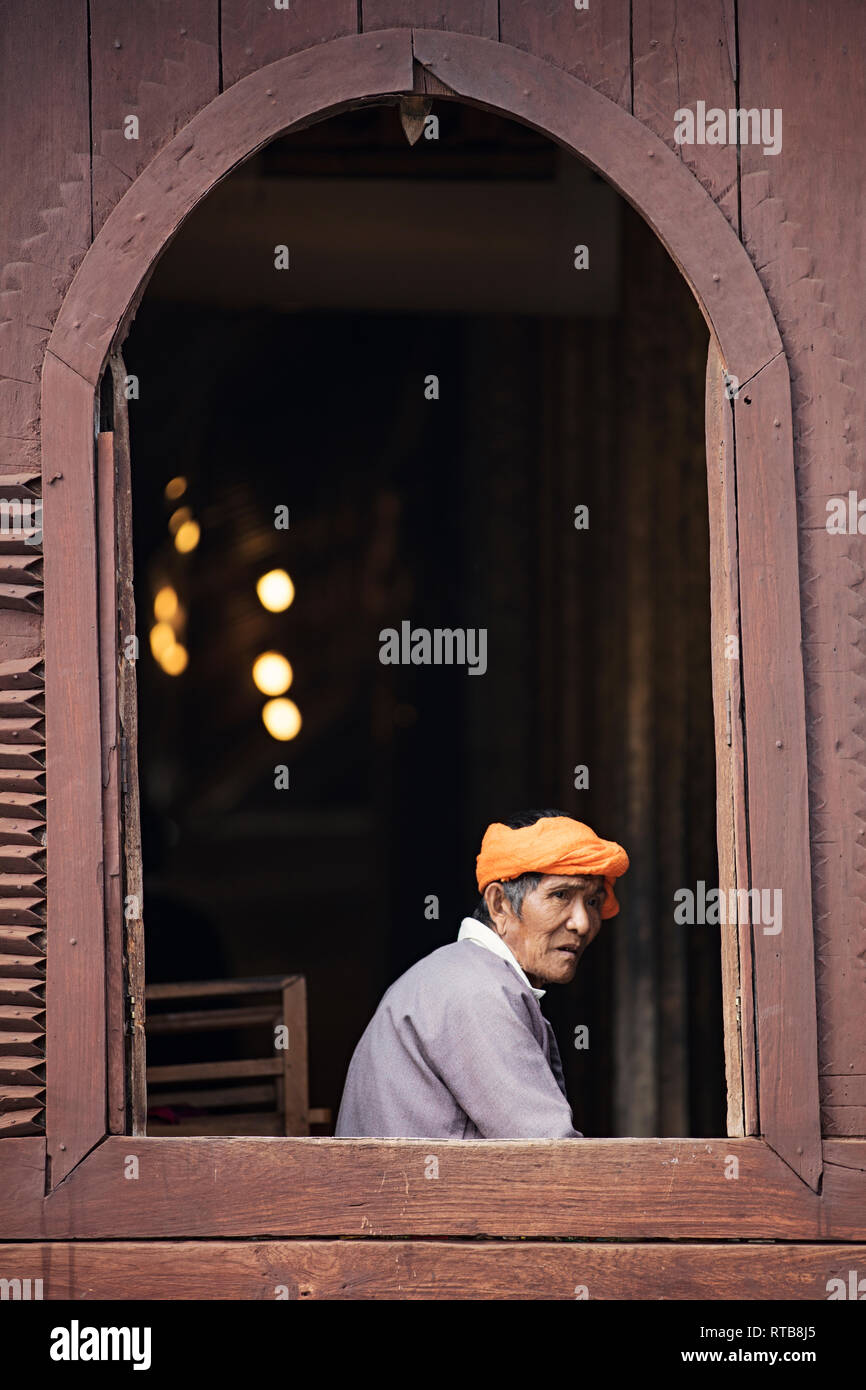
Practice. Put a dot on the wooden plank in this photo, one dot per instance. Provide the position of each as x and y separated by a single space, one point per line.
843 1090
254 34
24 966
592 44
19 1097
240 1125
215 1071
215 1098
683 54
21 911
18 1070
843 1120
812 266
198 1020
775 727
215 140
24 941
22 1177
45 215
430 1270
22 832
629 1189
295 1076
13 1016
157 61
737 1003
195 989
849 1154
111 789
75 997
128 936
457 16
15 1123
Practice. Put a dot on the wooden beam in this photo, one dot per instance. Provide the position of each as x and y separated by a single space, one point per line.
369 1269
776 768
628 1189
75 990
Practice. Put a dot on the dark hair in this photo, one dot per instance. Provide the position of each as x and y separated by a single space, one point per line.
516 889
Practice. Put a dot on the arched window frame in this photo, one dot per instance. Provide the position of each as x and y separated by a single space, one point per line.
602 1187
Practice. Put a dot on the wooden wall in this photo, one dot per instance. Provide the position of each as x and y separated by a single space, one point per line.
72 73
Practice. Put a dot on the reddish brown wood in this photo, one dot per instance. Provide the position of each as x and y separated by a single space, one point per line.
740 1060
775 727
669 197
429 1270
592 44
45 224
111 790
684 54
255 34
638 164
75 997
802 228
155 60
295 1077
124 926
225 132
458 16
22 1178
627 1189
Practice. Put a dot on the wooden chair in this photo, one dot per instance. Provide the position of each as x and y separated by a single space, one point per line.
273 1089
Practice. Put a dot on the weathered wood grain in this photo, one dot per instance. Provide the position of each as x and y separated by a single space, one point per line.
485 1270
626 1188
221 136
45 211
737 984
75 996
255 34
804 233
592 44
683 54
457 16
111 790
127 930
156 60
775 728
638 164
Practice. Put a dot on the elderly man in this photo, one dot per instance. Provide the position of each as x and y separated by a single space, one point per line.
459 1048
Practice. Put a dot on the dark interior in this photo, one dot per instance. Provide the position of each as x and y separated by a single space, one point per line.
305 387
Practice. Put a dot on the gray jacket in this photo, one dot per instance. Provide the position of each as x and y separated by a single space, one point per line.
457 1049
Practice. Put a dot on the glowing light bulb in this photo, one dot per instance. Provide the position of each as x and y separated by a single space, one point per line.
177 519
165 604
187 537
272 673
275 590
282 719
175 659
174 489
161 638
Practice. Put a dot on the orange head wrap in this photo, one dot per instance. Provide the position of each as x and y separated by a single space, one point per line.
553 845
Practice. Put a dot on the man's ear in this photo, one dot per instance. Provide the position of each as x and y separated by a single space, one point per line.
498 907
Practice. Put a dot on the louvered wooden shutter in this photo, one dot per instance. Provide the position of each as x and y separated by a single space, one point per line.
22 827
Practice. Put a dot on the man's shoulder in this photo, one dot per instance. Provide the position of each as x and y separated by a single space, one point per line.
461 967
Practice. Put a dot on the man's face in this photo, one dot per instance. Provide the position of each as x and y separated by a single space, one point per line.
558 920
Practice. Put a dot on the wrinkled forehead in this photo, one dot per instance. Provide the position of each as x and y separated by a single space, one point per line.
593 882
